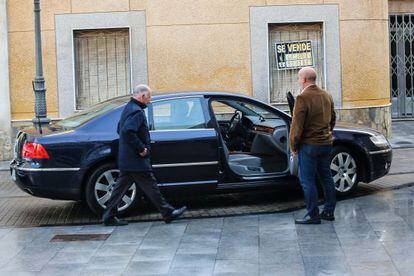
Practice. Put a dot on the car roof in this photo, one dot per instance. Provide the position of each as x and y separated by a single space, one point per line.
172 95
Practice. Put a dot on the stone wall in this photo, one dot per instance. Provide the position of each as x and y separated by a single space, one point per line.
5 146
378 118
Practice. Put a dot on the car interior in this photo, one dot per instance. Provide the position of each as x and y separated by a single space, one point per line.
255 140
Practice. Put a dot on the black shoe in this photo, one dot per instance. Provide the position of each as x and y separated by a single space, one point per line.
327 216
114 221
175 214
308 220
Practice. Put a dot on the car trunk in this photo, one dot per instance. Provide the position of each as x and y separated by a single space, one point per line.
33 135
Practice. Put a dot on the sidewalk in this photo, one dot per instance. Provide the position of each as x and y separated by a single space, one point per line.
402 134
372 235
4 165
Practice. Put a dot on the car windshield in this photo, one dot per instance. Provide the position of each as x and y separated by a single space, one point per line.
83 116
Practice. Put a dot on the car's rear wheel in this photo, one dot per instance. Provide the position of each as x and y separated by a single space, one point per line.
99 188
344 169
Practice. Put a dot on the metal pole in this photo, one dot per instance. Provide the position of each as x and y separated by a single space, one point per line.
39 81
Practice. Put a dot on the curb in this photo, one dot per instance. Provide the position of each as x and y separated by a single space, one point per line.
405 185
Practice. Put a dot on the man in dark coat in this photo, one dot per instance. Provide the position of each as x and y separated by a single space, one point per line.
134 160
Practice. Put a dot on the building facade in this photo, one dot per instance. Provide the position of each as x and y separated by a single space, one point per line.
94 50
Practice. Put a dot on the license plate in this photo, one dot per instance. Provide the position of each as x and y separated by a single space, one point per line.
13 174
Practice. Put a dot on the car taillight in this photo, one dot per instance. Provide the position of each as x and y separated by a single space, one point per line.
34 151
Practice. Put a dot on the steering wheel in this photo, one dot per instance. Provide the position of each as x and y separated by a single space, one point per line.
233 123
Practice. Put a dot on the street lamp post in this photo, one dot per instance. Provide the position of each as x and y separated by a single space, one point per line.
39 81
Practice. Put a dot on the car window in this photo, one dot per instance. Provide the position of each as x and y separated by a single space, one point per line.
259 111
82 117
184 113
222 111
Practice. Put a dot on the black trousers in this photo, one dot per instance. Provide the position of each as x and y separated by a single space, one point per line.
146 182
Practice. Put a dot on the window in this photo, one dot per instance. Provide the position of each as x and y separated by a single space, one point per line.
283 80
178 114
222 111
225 109
102 65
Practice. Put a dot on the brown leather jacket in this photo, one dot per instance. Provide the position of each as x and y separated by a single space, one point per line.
313 118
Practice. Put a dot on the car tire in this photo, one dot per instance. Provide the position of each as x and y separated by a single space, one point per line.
344 168
99 187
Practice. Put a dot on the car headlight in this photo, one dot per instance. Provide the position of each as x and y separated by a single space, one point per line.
379 140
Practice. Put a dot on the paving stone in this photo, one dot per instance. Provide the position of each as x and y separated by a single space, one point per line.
191 271
107 262
154 255
117 250
212 237
359 254
198 247
194 260
73 257
61 270
238 253
326 266
79 246
241 267
291 269
321 250
374 268
102 271
147 268
270 257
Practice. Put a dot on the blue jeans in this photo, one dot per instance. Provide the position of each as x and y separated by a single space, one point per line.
314 161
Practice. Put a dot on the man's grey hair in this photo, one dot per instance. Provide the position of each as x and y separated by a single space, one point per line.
141 89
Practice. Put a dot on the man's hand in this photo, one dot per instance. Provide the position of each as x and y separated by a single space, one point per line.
144 152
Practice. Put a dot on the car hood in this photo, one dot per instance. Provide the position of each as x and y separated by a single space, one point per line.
344 126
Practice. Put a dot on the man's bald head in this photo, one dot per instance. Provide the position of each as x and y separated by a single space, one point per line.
308 73
307 76
142 93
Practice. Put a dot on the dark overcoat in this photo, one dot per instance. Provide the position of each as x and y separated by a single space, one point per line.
134 137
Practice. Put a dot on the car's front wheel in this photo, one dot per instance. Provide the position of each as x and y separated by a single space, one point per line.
344 169
100 186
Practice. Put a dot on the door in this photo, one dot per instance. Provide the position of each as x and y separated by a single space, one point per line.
254 137
184 150
402 65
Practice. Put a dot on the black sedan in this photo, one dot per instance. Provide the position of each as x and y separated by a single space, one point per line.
199 142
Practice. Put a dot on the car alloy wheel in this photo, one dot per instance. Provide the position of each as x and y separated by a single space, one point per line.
344 171
104 186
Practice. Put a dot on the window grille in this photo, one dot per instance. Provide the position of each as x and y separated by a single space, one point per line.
102 62
283 81
402 65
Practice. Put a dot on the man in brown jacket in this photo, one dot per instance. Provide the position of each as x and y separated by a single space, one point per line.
311 138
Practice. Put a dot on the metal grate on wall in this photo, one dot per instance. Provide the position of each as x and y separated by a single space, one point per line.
283 81
401 28
102 61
